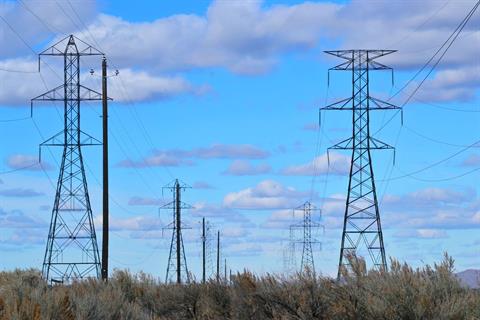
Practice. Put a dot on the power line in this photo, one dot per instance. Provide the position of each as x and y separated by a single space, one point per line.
410 174
123 90
20 169
453 36
438 106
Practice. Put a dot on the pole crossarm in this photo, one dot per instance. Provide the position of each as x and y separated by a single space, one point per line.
374 144
58 94
348 105
58 140
82 48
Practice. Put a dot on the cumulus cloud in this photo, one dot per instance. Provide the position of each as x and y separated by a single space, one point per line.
267 194
142 86
245 168
281 219
432 208
422 234
218 211
334 163
435 196
457 84
158 159
19 219
137 223
36 20
245 37
20 238
240 36
178 157
26 162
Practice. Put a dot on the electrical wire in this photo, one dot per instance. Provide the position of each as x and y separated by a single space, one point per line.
411 174
447 44
123 91
20 169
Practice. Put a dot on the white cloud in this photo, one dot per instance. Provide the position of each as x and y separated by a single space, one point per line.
138 223
245 37
178 157
240 36
245 168
268 194
142 86
26 162
432 208
22 17
20 220
335 163
422 233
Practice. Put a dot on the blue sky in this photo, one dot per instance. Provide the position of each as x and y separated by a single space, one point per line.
224 95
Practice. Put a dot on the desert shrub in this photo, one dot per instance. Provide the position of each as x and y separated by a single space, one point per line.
402 292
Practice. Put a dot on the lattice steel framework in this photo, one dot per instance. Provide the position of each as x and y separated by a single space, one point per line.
289 254
307 240
362 216
177 262
72 250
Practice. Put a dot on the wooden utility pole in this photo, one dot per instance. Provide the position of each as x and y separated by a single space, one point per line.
178 221
218 255
105 226
204 239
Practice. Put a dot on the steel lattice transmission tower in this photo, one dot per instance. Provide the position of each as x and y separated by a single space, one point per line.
207 251
362 216
307 240
177 261
72 250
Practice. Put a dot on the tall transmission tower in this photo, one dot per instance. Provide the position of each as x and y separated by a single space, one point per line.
72 250
177 261
362 217
307 240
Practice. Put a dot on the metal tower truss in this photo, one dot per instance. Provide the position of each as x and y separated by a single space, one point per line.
177 262
289 257
72 251
210 268
307 240
362 217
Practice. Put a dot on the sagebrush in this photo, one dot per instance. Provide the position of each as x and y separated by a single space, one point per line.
431 292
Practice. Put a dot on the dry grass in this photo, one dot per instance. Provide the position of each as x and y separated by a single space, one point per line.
402 293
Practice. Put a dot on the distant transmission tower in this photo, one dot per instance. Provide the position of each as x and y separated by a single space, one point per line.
362 217
289 259
207 251
177 261
307 240
72 251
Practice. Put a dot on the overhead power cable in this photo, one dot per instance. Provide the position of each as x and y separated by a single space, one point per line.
445 47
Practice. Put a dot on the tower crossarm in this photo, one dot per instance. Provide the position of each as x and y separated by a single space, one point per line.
82 48
374 104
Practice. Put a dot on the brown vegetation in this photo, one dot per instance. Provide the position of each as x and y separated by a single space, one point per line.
401 293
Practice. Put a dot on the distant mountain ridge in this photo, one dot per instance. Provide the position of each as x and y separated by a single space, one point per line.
469 278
